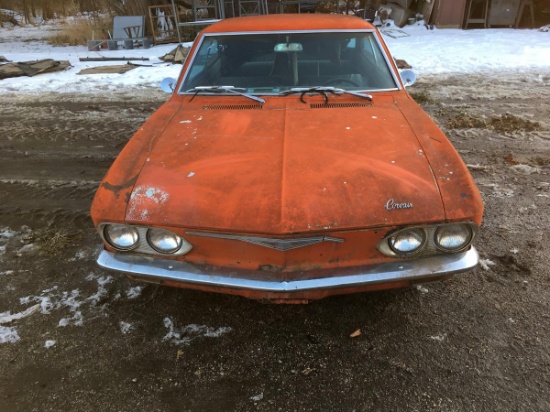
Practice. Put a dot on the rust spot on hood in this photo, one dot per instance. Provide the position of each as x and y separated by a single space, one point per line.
117 188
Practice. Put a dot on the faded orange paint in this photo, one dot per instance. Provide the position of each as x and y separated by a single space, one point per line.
288 170
272 171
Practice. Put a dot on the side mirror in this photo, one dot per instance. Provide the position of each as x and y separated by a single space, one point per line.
408 77
168 84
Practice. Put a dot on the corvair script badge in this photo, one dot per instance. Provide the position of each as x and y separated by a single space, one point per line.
392 205
272 243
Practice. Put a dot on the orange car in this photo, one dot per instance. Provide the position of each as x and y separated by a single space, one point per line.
289 164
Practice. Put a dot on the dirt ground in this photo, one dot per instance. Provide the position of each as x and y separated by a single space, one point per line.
76 338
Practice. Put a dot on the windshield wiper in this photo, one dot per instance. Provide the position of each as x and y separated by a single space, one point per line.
223 89
324 90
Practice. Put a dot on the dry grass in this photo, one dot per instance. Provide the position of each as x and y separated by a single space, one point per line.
77 32
7 19
465 120
422 97
510 123
53 241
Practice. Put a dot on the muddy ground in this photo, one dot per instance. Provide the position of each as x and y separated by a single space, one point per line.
76 338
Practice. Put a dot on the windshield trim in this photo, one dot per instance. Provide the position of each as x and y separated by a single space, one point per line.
203 36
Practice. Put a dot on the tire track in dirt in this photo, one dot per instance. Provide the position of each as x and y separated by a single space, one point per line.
32 125
59 202
54 153
479 342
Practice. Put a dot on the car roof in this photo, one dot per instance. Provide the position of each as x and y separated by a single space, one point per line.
289 22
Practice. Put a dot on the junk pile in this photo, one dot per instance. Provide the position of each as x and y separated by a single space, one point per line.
32 68
178 55
404 12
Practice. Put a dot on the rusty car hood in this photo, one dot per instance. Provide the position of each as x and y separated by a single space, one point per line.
286 167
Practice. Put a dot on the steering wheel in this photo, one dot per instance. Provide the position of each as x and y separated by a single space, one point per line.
340 81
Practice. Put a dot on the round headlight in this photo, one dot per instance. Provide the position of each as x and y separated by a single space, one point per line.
453 238
121 237
407 241
163 241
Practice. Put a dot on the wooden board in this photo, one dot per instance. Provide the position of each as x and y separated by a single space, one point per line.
427 9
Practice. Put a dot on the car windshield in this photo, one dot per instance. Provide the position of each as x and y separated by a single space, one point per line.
272 63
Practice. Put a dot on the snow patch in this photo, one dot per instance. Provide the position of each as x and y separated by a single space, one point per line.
525 169
6 233
26 249
125 327
52 299
440 337
184 335
486 264
6 272
7 317
77 320
81 255
471 51
258 397
134 292
422 289
8 335
101 290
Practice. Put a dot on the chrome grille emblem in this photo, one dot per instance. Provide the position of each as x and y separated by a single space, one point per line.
272 243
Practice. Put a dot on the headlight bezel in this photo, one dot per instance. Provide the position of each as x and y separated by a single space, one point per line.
393 240
109 238
463 246
430 246
143 245
178 240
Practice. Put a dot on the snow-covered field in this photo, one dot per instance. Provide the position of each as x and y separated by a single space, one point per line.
28 43
438 51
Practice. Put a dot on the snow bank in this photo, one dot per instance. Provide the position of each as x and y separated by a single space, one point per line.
438 51
442 51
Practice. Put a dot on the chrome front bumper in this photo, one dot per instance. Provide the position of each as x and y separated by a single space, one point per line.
162 270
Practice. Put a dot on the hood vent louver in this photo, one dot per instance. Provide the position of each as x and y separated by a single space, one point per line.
339 105
233 107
